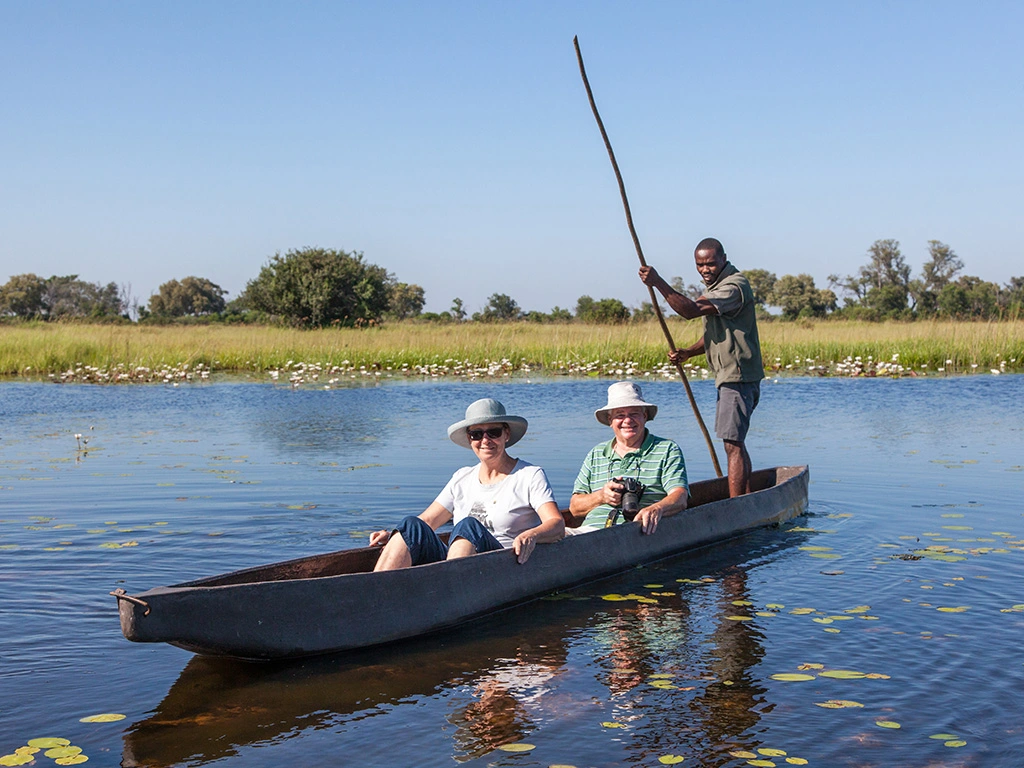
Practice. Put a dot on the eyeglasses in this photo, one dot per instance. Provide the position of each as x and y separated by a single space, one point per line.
476 435
635 415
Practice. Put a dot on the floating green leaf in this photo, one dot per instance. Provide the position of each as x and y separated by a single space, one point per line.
768 752
954 609
106 717
47 743
740 618
743 754
16 759
792 677
63 752
955 743
887 724
518 747
943 736
842 674
671 759
612 724
796 761
838 704
73 760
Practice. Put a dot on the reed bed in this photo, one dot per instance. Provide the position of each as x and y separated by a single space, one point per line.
123 353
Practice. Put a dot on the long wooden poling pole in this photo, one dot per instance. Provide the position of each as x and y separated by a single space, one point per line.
640 254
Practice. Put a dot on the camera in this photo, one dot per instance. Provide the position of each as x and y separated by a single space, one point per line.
632 490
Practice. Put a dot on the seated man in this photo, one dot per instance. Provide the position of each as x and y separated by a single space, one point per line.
633 452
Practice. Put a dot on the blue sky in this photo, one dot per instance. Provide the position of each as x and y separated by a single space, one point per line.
452 143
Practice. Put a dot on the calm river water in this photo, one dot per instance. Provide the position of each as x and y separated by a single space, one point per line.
900 595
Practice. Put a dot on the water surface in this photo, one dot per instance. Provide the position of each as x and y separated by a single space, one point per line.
176 483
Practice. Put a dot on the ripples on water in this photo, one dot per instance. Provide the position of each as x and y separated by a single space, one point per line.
179 483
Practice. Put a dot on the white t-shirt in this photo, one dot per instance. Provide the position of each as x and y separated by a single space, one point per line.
506 508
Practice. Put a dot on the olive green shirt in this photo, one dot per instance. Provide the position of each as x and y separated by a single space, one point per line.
731 344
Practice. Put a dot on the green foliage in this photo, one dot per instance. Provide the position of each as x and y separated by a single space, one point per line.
762 283
192 296
886 275
603 311
458 311
65 297
22 296
969 297
500 307
692 290
797 296
314 287
405 300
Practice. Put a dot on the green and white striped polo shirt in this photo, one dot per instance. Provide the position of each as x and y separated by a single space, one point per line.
658 464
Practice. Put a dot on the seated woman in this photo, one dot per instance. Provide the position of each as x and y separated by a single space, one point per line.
500 502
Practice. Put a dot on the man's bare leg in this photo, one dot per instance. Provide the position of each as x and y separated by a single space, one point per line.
739 467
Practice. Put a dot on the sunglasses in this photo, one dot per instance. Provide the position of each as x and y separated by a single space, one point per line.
476 435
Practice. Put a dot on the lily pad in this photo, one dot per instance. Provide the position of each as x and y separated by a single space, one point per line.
671 759
48 743
888 724
518 747
106 717
792 677
63 752
838 704
842 674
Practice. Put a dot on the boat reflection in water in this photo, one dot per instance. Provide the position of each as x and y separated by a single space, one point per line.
678 674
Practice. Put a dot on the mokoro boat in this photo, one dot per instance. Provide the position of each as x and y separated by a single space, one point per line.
334 602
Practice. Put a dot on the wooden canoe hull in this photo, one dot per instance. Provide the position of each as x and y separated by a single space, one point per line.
318 605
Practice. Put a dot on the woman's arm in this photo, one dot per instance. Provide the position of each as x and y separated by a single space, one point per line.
551 528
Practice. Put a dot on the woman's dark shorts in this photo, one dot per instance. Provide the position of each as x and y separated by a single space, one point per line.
426 547
736 401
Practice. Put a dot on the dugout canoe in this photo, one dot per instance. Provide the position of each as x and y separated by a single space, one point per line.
334 602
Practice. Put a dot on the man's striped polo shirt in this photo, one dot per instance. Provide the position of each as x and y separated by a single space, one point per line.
658 464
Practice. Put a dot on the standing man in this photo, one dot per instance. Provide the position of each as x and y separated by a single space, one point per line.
731 345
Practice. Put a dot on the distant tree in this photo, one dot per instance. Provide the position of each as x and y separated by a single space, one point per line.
797 296
317 287
969 298
584 304
762 283
533 316
693 290
22 296
66 297
458 311
405 300
192 296
560 315
500 307
644 312
942 266
603 311
883 283
1011 297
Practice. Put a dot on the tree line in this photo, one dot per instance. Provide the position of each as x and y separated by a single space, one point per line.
317 287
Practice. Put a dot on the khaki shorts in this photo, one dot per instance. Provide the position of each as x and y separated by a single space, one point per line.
736 401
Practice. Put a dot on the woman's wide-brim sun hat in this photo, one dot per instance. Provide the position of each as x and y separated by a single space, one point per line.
487 411
625 394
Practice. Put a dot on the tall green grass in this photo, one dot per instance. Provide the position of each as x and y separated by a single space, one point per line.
40 349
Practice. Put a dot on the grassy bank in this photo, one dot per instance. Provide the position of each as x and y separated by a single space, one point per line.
130 352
